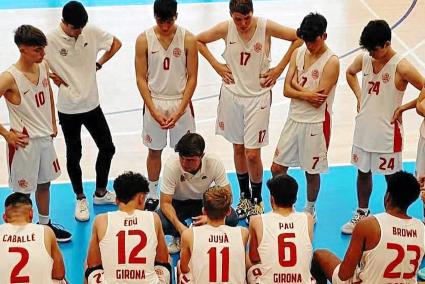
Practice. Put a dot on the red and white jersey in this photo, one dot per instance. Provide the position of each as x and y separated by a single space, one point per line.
33 116
309 78
128 248
285 249
24 258
167 72
398 254
218 255
380 98
247 60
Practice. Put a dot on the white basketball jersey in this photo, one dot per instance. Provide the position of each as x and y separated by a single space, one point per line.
285 249
247 60
128 248
33 116
398 254
309 78
167 72
422 129
380 98
218 255
24 258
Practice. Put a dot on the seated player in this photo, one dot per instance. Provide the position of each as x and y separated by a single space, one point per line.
128 245
280 241
213 251
29 252
384 248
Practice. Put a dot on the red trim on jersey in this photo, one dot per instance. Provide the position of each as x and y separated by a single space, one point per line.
191 109
327 127
12 151
398 140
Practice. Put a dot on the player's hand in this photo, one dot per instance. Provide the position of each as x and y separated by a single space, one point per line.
421 180
55 131
171 121
358 106
269 78
316 99
398 115
199 220
224 71
17 139
160 118
57 80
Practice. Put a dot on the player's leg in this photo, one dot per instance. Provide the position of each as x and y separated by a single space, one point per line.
286 153
153 165
323 265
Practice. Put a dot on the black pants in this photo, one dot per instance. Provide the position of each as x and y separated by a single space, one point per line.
98 128
186 209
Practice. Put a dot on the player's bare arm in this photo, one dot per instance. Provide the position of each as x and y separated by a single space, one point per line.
116 45
254 223
141 65
169 212
58 269
192 77
52 106
94 257
352 80
186 250
161 249
276 30
215 33
420 104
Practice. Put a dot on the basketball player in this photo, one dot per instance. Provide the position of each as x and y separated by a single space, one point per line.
421 179
377 142
30 253
166 71
72 56
385 248
420 156
245 98
310 83
280 241
214 251
128 245
32 163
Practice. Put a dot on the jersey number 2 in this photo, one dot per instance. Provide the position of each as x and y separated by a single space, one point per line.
14 276
133 258
389 271
374 87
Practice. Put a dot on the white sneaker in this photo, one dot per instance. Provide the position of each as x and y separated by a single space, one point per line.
108 198
348 227
312 211
174 245
82 212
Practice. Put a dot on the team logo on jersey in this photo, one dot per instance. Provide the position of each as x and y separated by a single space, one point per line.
148 139
221 125
315 74
177 52
63 52
258 47
355 158
386 77
45 83
22 183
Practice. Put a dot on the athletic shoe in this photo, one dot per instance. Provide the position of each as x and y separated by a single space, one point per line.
243 207
257 208
174 245
347 229
82 212
108 198
61 234
151 204
421 274
312 211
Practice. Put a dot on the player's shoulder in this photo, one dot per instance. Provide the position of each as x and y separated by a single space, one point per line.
404 66
101 219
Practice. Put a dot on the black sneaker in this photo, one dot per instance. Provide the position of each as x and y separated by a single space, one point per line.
61 234
151 204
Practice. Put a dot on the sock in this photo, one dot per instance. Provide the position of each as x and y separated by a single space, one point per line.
153 190
364 211
310 204
256 191
44 220
243 180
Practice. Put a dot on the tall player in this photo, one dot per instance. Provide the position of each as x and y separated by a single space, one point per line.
245 98
310 83
214 251
385 248
280 245
377 142
30 253
166 71
32 163
128 245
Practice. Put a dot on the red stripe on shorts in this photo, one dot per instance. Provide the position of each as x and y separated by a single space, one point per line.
398 140
12 151
327 127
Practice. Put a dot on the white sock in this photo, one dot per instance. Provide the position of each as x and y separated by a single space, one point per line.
310 204
153 190
44 220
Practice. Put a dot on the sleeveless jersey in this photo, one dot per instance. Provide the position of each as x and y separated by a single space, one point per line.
398 254
167 72
247 60
309 78
24 258
218 255
380 98
33 116
129 248
422 129
285 249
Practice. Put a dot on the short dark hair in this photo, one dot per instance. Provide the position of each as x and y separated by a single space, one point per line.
75 14
191 144
128 185
216 201
241 6
16 199
375 34
30 36
402 189
312 26
284 189
165 9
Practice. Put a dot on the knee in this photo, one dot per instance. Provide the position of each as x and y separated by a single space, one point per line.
253 156
232 219
239 150
364 176
107 150
311 177
277 169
